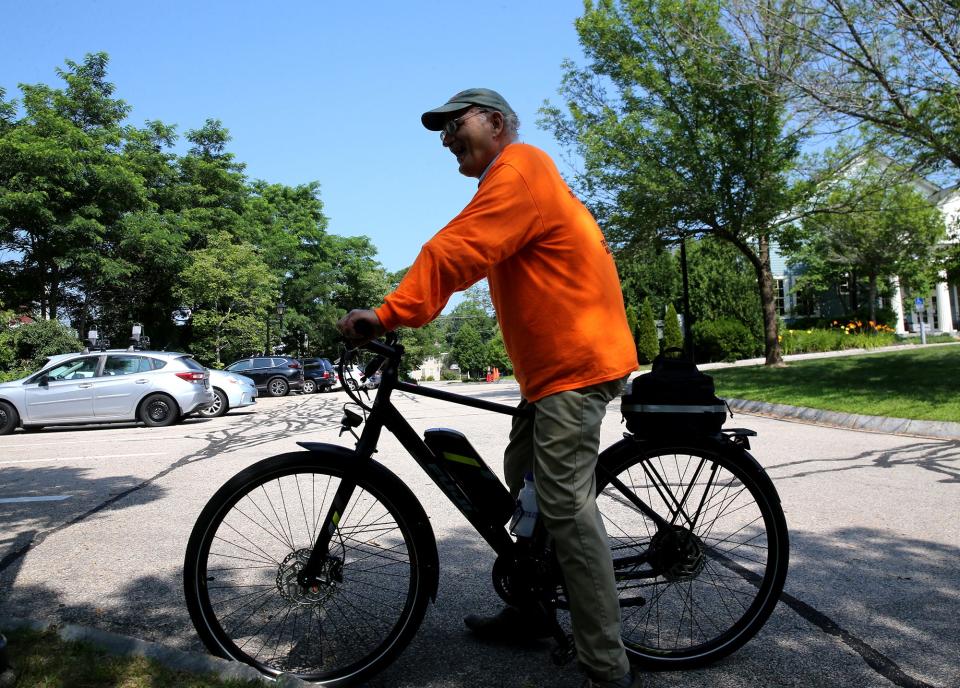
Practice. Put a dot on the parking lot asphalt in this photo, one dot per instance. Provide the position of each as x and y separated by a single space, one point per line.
94 522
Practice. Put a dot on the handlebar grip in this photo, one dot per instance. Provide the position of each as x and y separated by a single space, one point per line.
363 328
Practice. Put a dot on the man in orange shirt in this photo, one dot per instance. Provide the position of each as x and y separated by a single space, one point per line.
557 296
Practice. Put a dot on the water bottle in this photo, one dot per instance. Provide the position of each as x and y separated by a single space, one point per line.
525 515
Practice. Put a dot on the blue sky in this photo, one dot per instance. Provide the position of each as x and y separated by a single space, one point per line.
325 91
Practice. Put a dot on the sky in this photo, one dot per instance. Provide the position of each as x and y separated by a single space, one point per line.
316 91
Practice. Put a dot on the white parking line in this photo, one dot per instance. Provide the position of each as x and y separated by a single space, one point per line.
22 500
82 458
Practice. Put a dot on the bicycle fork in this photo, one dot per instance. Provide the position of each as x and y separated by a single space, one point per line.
321 568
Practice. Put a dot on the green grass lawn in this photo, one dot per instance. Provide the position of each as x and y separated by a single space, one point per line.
921 383
43 660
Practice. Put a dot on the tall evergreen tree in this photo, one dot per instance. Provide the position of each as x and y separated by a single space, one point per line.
648 344
672 335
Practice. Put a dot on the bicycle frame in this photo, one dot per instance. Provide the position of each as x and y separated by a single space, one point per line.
459 489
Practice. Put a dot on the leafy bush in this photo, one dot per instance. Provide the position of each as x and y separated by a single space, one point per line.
724 340
850 334
648 344
28 346
672 336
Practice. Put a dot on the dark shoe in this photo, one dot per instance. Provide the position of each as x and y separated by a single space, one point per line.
511 625
628 680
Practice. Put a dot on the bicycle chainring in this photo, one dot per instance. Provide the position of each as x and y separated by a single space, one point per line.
525 579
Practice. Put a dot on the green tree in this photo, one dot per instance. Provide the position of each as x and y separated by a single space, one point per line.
496 354
672 336
893 65
648 343
632 321
420 344
722 286
675 142
64 188
469 350
471 310
230 291
649 271
26 347
891 232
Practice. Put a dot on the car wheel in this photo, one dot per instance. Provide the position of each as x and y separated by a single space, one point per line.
219 406
309 387
9 418
278 387
158 410
352 384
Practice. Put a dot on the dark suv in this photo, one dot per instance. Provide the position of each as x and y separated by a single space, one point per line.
319 375
275 375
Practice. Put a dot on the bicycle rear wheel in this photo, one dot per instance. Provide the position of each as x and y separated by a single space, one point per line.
257 532
698 590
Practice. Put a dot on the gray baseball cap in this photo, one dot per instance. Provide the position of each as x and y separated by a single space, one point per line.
484 97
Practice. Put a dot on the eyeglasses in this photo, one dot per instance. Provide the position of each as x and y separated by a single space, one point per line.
450 128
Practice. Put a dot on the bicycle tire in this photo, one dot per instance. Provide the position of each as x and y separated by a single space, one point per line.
248 541
689 609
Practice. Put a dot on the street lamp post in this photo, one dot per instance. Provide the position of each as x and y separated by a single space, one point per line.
279 309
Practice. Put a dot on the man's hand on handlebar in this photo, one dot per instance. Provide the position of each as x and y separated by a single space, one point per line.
360 326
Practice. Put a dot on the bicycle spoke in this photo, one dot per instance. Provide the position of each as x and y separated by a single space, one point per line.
700 579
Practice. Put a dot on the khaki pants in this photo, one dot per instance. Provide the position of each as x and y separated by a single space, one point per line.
559 444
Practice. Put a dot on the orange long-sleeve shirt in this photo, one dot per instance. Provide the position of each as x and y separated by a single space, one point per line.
552 278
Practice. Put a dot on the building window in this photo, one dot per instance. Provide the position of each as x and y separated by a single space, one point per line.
781 297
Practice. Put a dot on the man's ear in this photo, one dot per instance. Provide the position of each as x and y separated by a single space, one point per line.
497 122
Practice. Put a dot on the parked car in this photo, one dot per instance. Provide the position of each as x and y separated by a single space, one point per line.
275 375
156 388
230 391
355 381
319 375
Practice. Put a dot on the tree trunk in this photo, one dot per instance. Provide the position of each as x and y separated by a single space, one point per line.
873 299
768 302
53 298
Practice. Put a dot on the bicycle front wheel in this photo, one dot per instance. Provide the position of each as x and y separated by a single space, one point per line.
257 533
698 589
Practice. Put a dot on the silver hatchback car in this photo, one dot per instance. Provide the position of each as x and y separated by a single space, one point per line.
155 387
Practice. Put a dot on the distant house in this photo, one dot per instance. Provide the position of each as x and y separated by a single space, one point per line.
20 320
941 308
430 369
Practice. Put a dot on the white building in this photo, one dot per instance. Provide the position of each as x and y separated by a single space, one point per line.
940 311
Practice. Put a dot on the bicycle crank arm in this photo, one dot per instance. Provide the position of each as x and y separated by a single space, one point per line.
632 602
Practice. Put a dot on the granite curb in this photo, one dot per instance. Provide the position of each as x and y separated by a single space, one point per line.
943 430
178 660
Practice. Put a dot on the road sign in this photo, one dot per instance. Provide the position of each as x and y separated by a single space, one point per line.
918 302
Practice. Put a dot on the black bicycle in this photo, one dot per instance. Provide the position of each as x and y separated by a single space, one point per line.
320 563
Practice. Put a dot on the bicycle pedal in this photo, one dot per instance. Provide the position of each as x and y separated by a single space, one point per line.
564 651
632 602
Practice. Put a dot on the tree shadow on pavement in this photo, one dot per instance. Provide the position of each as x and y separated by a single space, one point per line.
937 456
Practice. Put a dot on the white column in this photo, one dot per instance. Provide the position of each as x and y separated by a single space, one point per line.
944 312
954 303
898 305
